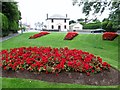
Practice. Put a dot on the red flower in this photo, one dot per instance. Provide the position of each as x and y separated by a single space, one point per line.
70 35
88 74
93 71
86 66
39 58
38 35
109 35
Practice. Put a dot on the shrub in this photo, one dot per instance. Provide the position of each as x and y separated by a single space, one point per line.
109 35
4 25
13 26
92 25
52 60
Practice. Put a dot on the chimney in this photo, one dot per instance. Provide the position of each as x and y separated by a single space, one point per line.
47 15
66 15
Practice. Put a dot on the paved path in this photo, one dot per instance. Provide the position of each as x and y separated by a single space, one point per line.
13 35
8 37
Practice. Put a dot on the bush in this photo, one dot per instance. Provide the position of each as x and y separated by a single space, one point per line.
13 26
92 25
4 25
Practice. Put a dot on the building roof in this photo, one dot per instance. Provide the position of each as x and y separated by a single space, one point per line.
73 24
58 16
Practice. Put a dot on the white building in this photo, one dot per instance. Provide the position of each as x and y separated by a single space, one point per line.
57 22
76 26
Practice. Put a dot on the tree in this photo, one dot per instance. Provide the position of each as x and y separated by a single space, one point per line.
80 20
98 7
4 25
10 10
71 21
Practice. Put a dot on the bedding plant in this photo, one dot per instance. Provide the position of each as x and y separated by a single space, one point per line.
38 35
70 35
52 60
109 36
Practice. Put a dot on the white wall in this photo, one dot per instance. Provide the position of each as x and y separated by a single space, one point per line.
57 23
76 27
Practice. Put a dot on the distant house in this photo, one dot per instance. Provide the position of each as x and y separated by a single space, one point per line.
57 23
75 26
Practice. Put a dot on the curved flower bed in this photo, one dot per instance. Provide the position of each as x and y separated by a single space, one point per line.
109 35
70 35
38 35
51 60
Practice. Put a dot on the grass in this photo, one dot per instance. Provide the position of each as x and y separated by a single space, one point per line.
92 43
27 83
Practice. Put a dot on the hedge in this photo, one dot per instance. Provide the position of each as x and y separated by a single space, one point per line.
4 25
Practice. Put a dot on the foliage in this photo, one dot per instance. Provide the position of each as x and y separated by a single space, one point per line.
80 20
4 25
104 25
108 25
13 26
52 60
71 21
100 7
10 10
82 23
92 25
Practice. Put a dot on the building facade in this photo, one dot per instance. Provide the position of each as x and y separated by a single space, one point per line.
76 26
57 23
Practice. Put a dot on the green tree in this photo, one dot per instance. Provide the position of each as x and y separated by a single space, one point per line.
80 20
99 7
104 24
4 25
11 11
71 21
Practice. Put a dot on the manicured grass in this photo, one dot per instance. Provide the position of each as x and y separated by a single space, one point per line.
93 43
27 83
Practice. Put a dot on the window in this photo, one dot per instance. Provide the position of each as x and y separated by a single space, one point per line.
65 27
64 20
52 26
52 20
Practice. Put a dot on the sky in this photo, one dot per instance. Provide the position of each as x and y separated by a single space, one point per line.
35 10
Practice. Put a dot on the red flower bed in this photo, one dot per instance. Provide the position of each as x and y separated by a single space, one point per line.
38 35
70 35
109 35
51 60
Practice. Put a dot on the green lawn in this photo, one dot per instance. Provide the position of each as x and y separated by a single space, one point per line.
27 83
92 43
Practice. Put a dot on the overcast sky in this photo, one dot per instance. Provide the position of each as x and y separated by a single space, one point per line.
35 10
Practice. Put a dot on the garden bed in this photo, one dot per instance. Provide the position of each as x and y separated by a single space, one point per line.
52 60
70 35
104 78
38 35
109 36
